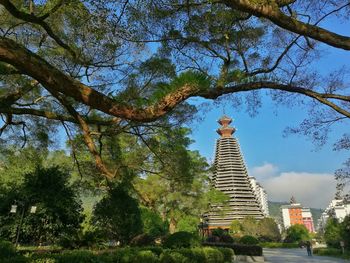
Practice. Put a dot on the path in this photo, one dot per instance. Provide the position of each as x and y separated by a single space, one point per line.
297 255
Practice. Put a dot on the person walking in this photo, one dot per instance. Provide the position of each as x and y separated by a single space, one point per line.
309 248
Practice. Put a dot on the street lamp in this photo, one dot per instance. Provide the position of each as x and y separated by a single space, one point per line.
14 211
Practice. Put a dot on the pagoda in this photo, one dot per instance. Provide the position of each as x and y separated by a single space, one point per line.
231 177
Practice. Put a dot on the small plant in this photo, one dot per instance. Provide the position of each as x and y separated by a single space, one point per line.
142 240
213 255
181 240
248 240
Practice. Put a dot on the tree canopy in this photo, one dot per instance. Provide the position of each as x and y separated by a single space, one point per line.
100 68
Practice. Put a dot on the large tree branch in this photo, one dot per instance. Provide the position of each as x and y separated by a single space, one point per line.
89 142
324 98
55 116
56 81
274 14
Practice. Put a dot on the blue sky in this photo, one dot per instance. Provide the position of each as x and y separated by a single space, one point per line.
285 166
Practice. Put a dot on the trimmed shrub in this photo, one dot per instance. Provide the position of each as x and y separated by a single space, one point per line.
226 239
172 257
279 245
8 253
146 256
213 239
7 250
181 239
142 240
248 240
155 249
77 256
213 255
227 253
239 249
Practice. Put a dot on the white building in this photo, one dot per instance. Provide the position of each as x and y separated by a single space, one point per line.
261 195
337 209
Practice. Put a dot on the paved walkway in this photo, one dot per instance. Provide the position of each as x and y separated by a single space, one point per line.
297 255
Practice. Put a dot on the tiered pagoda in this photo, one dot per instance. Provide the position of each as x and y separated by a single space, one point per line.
231 177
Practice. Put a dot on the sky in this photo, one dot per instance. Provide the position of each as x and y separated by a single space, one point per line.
284 165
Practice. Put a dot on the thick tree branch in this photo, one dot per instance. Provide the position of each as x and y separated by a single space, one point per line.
89 142
56 81
274 14
321 97
54 116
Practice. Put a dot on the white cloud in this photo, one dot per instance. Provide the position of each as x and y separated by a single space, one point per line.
265 171
309 189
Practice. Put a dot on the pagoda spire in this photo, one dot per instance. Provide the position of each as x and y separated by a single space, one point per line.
225 131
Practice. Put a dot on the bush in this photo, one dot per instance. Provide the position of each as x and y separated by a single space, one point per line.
248 240
239 249
78 256
142 240
172 257
181 239
279 245
146 256
8 253
227 253
7 250
213 255
226 239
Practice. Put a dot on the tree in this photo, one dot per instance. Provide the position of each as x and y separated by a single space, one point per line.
268 230
250 226
236 228
153 224
58 207
94 76
117 215
332 233
181 193
297 233
345 231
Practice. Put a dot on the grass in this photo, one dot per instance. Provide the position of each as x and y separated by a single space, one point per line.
332 252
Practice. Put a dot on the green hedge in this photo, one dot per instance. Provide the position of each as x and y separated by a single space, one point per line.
8 253
333 252
279 245
137 255
181 239
239 249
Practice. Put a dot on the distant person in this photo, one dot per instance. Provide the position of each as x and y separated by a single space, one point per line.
309 248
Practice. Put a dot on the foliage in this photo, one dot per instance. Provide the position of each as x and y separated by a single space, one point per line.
118 215
179 194
181 240
58 207
142 240
248 240
297 233
279 245
222 236
213 255
333 252
250 226
236 227
153 224
332 233
8 253
239 249
136 255
268 230
345 231
336 232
